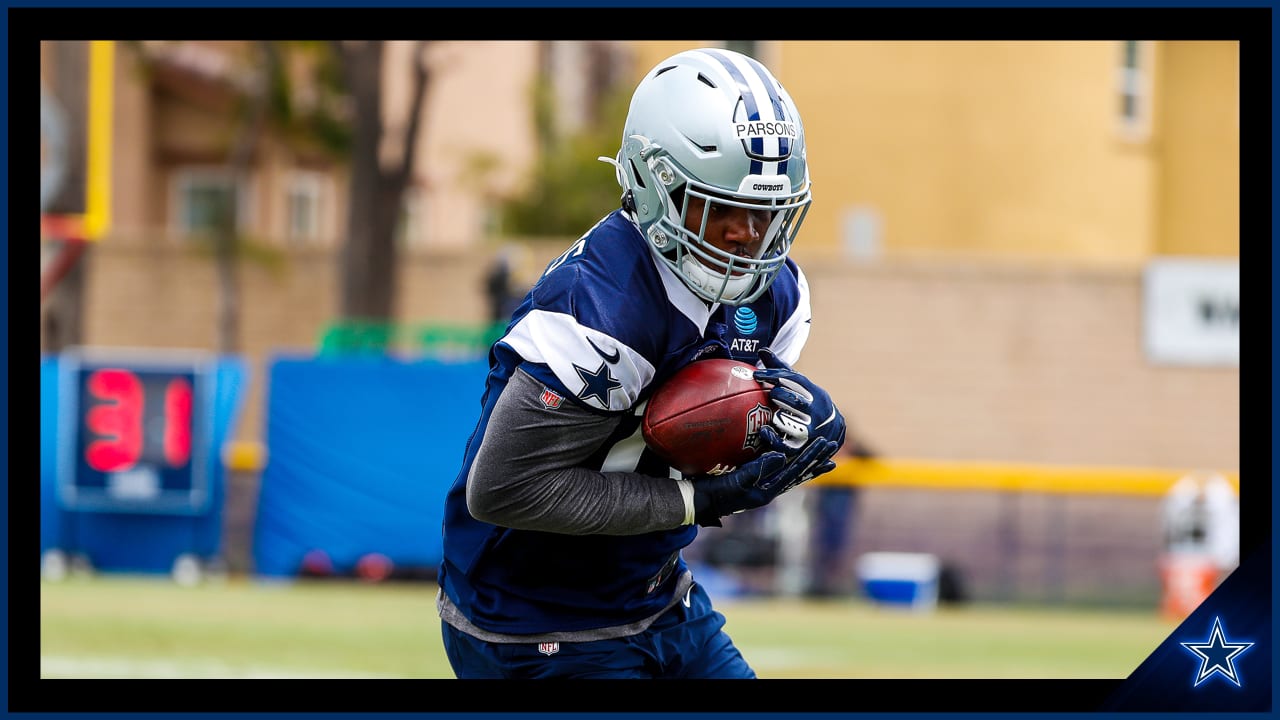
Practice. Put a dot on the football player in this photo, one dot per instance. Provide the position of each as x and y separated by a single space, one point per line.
562 532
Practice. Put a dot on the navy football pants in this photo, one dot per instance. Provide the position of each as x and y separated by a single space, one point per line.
685 642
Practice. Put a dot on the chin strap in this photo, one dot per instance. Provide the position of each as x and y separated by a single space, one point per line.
710 282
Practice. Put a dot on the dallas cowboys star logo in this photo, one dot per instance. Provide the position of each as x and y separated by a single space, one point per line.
1216 655
597 384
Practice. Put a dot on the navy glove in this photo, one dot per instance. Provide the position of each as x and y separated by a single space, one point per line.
758 482
804 410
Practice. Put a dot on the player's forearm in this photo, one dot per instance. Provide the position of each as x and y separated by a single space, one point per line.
578 501
530 473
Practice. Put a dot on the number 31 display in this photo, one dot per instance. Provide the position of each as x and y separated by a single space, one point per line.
134 435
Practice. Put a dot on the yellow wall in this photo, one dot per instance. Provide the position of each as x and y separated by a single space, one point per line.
1012 148
1198 130
969 147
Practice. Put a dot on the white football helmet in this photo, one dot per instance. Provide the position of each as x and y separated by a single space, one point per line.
714 124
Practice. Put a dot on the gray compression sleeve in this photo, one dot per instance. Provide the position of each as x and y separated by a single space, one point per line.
527 472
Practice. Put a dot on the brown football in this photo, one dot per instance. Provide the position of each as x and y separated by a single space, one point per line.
707 417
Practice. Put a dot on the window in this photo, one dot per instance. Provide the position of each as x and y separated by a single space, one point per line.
205 199
305 198
1135 89
409 231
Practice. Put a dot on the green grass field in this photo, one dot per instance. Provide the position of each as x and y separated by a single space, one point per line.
144 627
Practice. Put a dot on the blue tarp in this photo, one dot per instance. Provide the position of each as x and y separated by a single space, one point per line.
361 451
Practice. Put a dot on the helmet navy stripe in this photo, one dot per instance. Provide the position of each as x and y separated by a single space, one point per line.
749 99
779 108
753 111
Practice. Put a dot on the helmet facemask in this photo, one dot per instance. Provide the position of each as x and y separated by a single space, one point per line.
714 125
661 195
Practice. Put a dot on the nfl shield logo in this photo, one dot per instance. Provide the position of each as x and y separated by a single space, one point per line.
550 648
757 418
552 401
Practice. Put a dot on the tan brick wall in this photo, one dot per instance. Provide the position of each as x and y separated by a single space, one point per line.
1012 362
930 359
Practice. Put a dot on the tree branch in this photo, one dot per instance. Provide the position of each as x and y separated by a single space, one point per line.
421 77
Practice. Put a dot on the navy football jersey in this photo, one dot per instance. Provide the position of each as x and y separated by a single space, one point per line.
603 327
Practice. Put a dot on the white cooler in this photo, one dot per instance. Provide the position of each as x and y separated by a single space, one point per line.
908 580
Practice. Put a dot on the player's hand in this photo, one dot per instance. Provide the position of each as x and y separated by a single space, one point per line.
803 409
758 482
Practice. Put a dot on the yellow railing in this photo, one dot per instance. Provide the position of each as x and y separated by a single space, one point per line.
1007 477
244 456
247 456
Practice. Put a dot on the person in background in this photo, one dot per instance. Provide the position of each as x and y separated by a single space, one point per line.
833 518
562 531
502 287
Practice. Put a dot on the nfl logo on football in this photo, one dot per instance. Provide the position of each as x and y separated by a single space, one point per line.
756 419
550 648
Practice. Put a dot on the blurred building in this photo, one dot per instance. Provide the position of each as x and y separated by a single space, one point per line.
983 213
1108 151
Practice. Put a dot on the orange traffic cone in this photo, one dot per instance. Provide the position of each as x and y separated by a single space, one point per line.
1187 579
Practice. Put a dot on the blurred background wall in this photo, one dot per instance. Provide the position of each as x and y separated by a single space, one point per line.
982 209
985 216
